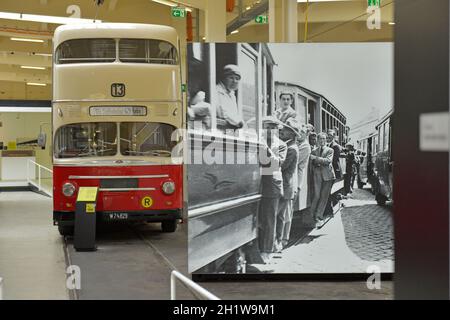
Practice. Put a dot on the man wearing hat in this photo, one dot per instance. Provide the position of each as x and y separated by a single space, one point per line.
289 134
227 109
285 111
272 186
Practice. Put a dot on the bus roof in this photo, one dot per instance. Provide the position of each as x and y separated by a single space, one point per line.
114 30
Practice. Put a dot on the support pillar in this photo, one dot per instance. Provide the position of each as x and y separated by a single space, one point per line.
283 21
216 21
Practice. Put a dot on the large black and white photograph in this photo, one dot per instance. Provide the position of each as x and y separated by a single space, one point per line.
289 160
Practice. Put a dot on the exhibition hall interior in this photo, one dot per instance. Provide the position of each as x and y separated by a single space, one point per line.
199 149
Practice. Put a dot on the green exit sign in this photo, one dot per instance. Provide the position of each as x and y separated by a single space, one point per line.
261 19
373 3
178 12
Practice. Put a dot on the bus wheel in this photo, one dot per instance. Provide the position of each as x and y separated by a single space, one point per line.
66 230
381 200
169 225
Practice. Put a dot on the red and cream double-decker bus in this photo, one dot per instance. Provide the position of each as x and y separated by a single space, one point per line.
117 104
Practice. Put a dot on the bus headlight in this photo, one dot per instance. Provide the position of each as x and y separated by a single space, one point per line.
168 187
68 189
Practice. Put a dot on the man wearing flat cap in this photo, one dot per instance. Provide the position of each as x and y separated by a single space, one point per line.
272 186
285 111
289 134
227 109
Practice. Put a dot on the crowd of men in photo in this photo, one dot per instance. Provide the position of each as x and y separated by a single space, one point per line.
296 148
292 148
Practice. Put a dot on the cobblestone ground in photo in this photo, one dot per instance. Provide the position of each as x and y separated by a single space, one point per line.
358 236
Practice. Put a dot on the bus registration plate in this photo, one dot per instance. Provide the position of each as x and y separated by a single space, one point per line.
117 216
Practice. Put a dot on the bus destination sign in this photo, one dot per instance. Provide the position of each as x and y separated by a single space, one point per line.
118 111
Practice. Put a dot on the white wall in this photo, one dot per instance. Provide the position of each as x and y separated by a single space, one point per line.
26 125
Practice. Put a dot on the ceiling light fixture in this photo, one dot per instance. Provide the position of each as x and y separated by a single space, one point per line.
32 67
36 84
167 3
391 23
42 54
235 31
44 19
27 40
171 4
304 1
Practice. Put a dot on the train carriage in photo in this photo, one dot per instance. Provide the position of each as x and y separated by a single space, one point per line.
116 104
383 161
224 198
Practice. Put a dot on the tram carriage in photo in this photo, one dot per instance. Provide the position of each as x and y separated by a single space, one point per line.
224 198
383 161
116 103
366 149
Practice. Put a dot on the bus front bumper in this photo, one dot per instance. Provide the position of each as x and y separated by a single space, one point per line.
68 218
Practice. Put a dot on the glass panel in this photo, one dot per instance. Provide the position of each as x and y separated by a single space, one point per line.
380 138
247 65
95 139
324 125
147 51
301 109
146 139
86 50
386 136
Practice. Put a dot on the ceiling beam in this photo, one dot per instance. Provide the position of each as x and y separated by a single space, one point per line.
24 59
25 77
248 16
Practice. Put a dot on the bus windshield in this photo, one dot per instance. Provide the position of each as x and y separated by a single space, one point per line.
100 139
145 138
94 139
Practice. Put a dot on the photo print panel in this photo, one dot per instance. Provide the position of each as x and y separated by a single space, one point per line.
289 161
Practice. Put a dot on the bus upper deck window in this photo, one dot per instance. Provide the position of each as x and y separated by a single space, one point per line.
147 51
86 50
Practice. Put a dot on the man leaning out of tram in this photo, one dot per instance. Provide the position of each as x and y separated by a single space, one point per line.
289 134
272 186
286 112
228 115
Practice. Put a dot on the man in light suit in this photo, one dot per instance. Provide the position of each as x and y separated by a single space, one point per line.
323 177
304 151
272 186
289 135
